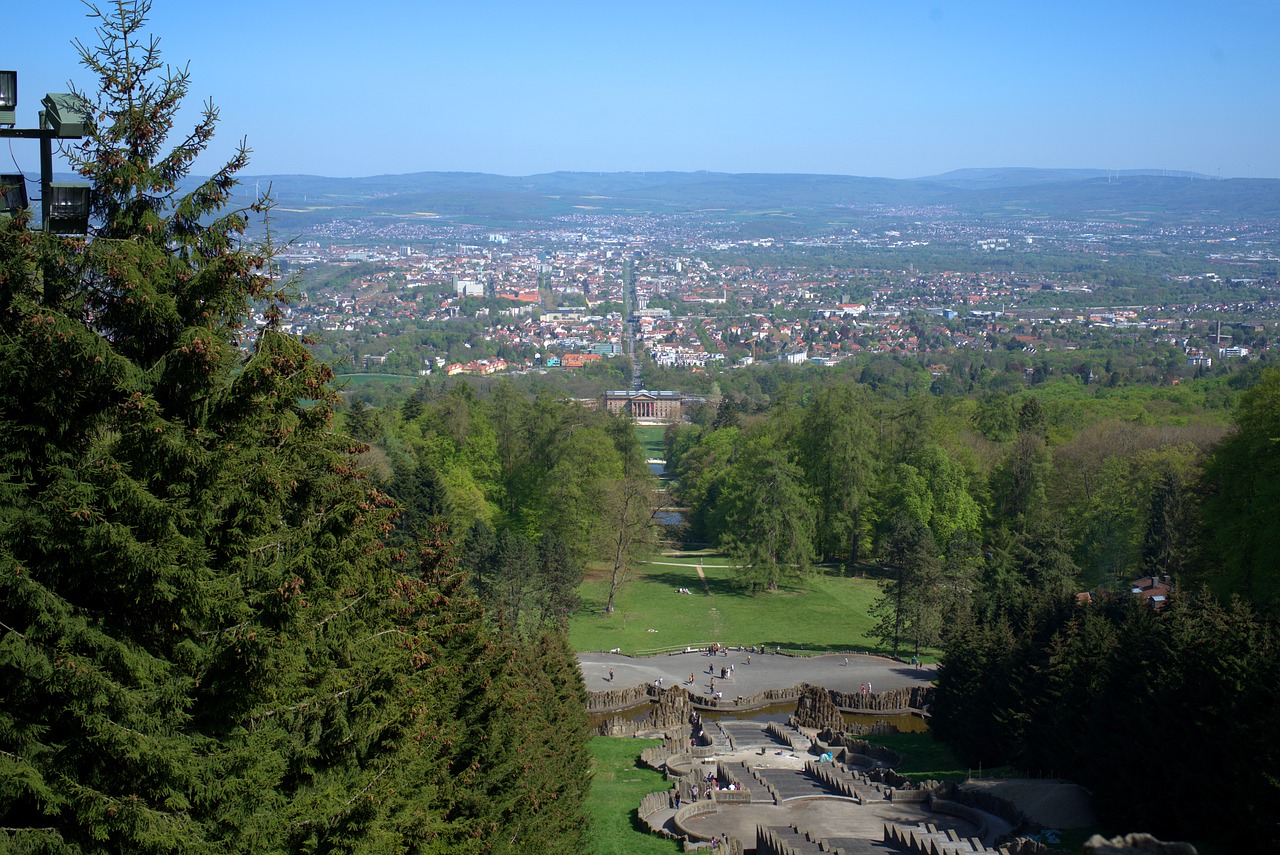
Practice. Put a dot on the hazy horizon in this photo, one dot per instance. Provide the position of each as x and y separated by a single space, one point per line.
904 90
957 171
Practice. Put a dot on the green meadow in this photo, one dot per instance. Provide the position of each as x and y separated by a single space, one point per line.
651 440
826 612
618 783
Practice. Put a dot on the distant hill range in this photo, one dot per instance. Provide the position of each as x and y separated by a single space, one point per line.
495 200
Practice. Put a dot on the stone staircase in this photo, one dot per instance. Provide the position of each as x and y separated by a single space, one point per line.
749 736
927 839
839 779
924 839
785 840
794 784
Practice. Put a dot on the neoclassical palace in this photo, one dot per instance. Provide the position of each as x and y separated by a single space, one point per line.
646 406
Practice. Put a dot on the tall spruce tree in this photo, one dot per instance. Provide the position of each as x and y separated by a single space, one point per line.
205 645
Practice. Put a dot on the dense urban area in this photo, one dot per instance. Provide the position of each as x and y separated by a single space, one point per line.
447 299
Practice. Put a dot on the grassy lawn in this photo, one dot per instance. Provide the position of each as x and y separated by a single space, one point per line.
827 612
651 440
618 784
925 758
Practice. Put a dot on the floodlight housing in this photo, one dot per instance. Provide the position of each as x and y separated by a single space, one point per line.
8 97
66 114
68 207
13 193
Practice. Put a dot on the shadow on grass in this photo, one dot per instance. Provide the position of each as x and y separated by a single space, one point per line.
716 586
636 822
589 606
818 649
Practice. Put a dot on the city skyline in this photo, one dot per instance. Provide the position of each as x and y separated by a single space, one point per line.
885 90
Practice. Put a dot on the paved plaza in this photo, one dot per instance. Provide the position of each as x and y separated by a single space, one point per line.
764 671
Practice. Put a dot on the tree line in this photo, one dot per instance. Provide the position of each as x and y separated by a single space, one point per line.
1007 532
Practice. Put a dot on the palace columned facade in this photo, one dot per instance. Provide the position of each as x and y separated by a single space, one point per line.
645 406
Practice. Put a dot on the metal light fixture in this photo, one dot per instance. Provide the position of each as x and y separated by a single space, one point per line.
68 207
64 207
66 114
13 193
8 98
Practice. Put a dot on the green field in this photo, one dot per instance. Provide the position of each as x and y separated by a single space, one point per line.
826 613
618 783
925 758
651 437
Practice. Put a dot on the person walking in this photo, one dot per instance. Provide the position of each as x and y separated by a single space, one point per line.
610 675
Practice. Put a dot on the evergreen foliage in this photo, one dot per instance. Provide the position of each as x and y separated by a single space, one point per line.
1165 715
205 644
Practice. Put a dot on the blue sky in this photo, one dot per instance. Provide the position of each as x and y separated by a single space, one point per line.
893 88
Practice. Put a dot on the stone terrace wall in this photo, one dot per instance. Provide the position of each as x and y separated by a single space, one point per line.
892 700
656 755
669 711
654 802
815 709
992 804
745 702
619 699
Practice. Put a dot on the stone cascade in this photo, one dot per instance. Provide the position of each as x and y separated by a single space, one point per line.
759 789
656 756
746 702
619 699
786 784
750 736
785 840
788 735
727 773
815 709
890 701
672 709
669 709
926 839
837 778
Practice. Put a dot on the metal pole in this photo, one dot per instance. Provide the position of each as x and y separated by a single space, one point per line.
46 174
